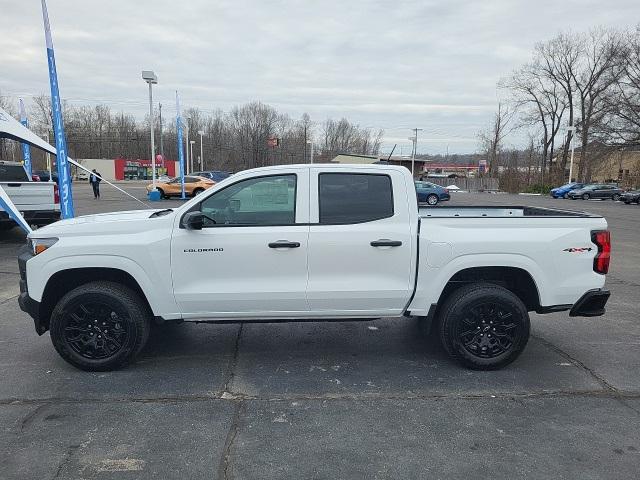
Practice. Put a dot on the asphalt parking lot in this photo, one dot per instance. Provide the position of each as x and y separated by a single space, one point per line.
330 400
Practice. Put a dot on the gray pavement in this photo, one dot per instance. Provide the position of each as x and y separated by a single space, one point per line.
336 400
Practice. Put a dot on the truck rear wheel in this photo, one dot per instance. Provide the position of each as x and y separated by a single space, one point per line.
484 326
100 326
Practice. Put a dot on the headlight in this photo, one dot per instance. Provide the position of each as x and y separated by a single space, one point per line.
39 245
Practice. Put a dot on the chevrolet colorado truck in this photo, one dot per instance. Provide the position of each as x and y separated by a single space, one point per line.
312 243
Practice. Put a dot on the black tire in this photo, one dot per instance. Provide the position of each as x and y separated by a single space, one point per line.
162 194
615 197
197 191
432 199
81 321
586 196
484 309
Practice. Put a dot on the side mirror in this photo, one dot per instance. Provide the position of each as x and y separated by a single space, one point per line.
193 221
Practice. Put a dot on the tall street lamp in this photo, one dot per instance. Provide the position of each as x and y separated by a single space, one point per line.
186 128
310 142
151 78
191 142
201 133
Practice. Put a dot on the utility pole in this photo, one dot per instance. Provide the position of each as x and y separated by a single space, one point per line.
304 153
161 145
415 147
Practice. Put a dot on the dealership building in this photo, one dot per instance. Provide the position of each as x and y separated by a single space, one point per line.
129 169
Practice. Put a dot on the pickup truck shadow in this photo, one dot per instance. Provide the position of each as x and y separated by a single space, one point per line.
384 357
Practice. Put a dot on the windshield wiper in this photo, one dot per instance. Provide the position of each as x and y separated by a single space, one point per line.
161 213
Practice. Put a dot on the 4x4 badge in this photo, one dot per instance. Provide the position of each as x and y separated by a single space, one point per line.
578 249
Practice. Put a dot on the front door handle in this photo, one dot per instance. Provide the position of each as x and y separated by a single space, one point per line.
385 242
284 244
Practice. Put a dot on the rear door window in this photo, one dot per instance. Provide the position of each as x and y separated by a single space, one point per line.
354 198
13 173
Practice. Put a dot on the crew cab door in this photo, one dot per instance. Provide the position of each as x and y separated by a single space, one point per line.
250 257
361 244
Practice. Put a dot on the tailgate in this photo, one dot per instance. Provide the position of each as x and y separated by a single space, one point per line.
28 196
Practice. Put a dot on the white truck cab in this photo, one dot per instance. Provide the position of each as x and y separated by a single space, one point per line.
312 242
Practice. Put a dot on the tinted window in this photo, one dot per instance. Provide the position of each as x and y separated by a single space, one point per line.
255 201
13 173
191 179
219 176
354 198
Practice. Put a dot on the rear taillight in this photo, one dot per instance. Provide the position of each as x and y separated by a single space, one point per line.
56 194
602 238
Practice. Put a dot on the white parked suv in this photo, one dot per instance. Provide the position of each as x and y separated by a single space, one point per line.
312 242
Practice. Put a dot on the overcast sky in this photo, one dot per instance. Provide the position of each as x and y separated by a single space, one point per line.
394 65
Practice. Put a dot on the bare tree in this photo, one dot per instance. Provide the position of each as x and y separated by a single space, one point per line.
491 140
602 65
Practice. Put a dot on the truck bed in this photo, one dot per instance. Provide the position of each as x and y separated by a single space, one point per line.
498 212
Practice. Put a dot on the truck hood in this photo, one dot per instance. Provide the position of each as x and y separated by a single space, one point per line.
120 221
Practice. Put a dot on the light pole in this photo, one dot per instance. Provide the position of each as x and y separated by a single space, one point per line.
201 133
415 147
191 142
310 142
151 78
571 129
186 128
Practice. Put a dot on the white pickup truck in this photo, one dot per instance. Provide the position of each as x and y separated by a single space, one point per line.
38 202
312 242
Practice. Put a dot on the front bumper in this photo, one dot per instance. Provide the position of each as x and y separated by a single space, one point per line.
591 304
28 304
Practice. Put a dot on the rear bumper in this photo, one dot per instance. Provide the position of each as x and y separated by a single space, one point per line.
591 304
34 217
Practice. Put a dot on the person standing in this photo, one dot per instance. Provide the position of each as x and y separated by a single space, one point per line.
94 180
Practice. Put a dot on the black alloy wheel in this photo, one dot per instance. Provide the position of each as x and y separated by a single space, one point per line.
484 326
488 330
94 330
100 326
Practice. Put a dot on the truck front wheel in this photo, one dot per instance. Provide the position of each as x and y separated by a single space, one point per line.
100 326
484 326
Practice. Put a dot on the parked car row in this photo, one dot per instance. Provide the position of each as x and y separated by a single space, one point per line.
587 191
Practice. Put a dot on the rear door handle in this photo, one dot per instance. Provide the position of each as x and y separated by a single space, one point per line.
284 244
385 242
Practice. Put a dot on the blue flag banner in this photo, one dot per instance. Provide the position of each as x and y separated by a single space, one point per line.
180 151
62 164
26 149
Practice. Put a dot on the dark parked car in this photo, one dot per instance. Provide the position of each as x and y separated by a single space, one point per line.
596 190
44 175
430 193
215 175
632 196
